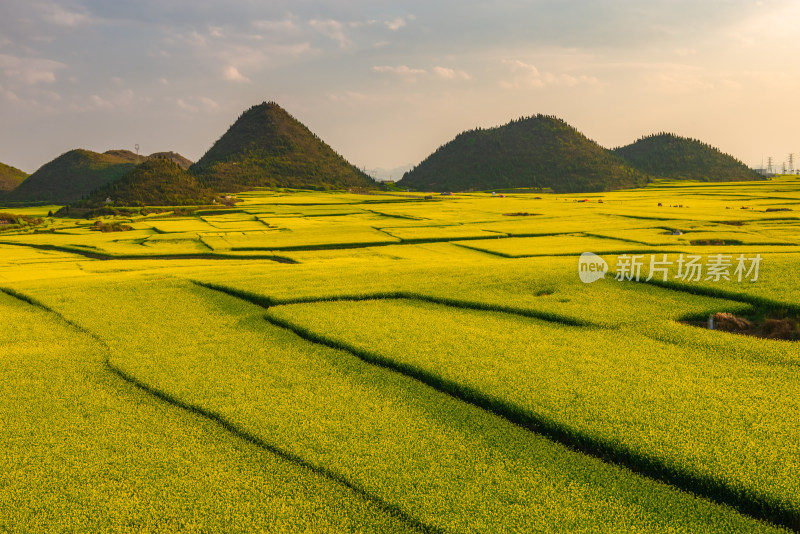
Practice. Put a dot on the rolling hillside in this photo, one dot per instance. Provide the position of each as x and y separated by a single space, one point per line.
670 156
156 182
10 177
183 163
267 147
71 176
533 152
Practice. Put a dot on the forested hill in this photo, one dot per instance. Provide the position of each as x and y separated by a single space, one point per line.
71 176
10 177
156 182
540 151
670 156
267 147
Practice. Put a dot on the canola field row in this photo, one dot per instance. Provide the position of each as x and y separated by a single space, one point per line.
333 362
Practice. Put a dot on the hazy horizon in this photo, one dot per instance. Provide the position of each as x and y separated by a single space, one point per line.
386 83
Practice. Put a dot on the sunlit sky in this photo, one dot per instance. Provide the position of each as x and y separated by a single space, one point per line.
387 82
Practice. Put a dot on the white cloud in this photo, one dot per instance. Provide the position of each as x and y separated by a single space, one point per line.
283 27
395 24
125 100
29 71
450 74
232 74
520 66
208 103
402 71
59 16
528 76
195 104
186 106
11 96
332 29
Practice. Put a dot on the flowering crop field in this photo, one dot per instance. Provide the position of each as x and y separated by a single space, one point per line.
335 362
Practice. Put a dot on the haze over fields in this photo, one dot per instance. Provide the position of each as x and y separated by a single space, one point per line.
383 83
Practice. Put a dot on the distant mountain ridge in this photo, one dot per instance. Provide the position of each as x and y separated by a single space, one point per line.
267 147
531 152
670 156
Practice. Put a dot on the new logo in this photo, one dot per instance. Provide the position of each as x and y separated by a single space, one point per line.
591 267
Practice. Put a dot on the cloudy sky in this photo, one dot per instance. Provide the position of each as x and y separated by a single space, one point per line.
385 82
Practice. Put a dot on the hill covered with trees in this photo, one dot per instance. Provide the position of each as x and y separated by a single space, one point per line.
532 152
10 177
670 156
156 182
71 176
267 147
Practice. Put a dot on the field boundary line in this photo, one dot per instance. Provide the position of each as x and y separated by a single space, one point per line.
268 302
37 304
391 509
747 502
559 254
761 304
125 257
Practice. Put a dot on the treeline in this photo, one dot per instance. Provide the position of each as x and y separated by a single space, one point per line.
540 151
156 182
670 156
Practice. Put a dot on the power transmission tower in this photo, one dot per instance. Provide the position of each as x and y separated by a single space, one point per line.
769 165
791 163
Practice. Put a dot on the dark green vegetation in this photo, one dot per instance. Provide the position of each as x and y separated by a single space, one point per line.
156 182
10 177
532 152
267 147
183 163
71 176
10 221
670 156
174 157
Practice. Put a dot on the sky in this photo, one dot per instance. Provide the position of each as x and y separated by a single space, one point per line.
385 83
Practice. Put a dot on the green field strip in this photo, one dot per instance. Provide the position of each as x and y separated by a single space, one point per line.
411 524
748 500
763 305
596 496
395 215
199 256
627 240
27 299
267 302
648 250
228 426
105 455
